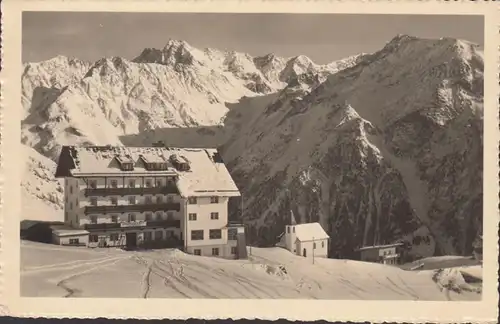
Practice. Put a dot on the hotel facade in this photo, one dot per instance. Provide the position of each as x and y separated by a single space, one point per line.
148 197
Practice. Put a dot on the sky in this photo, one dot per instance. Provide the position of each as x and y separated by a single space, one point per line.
322 37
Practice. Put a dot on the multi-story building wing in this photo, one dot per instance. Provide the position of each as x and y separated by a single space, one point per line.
148 196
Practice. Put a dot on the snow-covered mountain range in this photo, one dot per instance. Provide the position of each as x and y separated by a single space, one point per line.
377 147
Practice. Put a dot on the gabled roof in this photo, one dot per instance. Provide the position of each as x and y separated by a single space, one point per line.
310 232
207 176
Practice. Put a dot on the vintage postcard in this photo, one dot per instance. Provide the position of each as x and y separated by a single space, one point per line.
300 160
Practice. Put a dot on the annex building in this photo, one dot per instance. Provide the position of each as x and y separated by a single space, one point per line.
155 196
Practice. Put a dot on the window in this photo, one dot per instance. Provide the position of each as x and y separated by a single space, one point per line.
93 238
131 183
322 244
170 215
232 233
159 215
131 217
215 251
214 215
233 250
149 183
170 182
114 237
114 218
67 198
314 245
197 252
148 200
149 216
197 235
131 200
70 189
214 200
158 183
158 235
93 184
192 216
192 200
114 184
215 234
93 219
76 202
93 201
114 201
288 230
159 199
70 205
74 241
293 229
127 166
170 199
66 216
148 236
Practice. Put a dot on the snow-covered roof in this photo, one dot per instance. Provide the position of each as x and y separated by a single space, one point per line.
379 246
68 232
310 232
207 174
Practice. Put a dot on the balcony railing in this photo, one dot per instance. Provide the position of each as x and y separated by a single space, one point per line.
102 192
132 208
130 225
102 226
164 223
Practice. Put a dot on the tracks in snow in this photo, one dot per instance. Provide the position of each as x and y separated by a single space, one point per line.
73 292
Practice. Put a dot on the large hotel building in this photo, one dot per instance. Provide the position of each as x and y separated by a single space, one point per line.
156 196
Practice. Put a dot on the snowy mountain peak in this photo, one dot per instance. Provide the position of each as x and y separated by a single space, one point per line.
174 52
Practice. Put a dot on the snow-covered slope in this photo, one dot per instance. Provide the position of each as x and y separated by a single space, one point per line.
381 151
38 78
42 195
177 86
269 273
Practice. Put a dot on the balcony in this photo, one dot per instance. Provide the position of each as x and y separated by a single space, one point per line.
134 225
108 209
101 226
102 192
164 223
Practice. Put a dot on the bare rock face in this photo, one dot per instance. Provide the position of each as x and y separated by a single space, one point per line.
387 150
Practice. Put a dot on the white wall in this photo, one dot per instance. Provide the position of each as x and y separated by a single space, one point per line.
64 240
321 250
387 251
290 238
225 251
203 208
71 202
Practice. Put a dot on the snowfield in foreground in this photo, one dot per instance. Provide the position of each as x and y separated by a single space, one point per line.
55 271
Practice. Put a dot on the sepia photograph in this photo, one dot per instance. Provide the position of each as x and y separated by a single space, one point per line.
252 156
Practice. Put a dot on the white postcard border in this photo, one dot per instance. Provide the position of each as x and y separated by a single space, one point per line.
332 310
